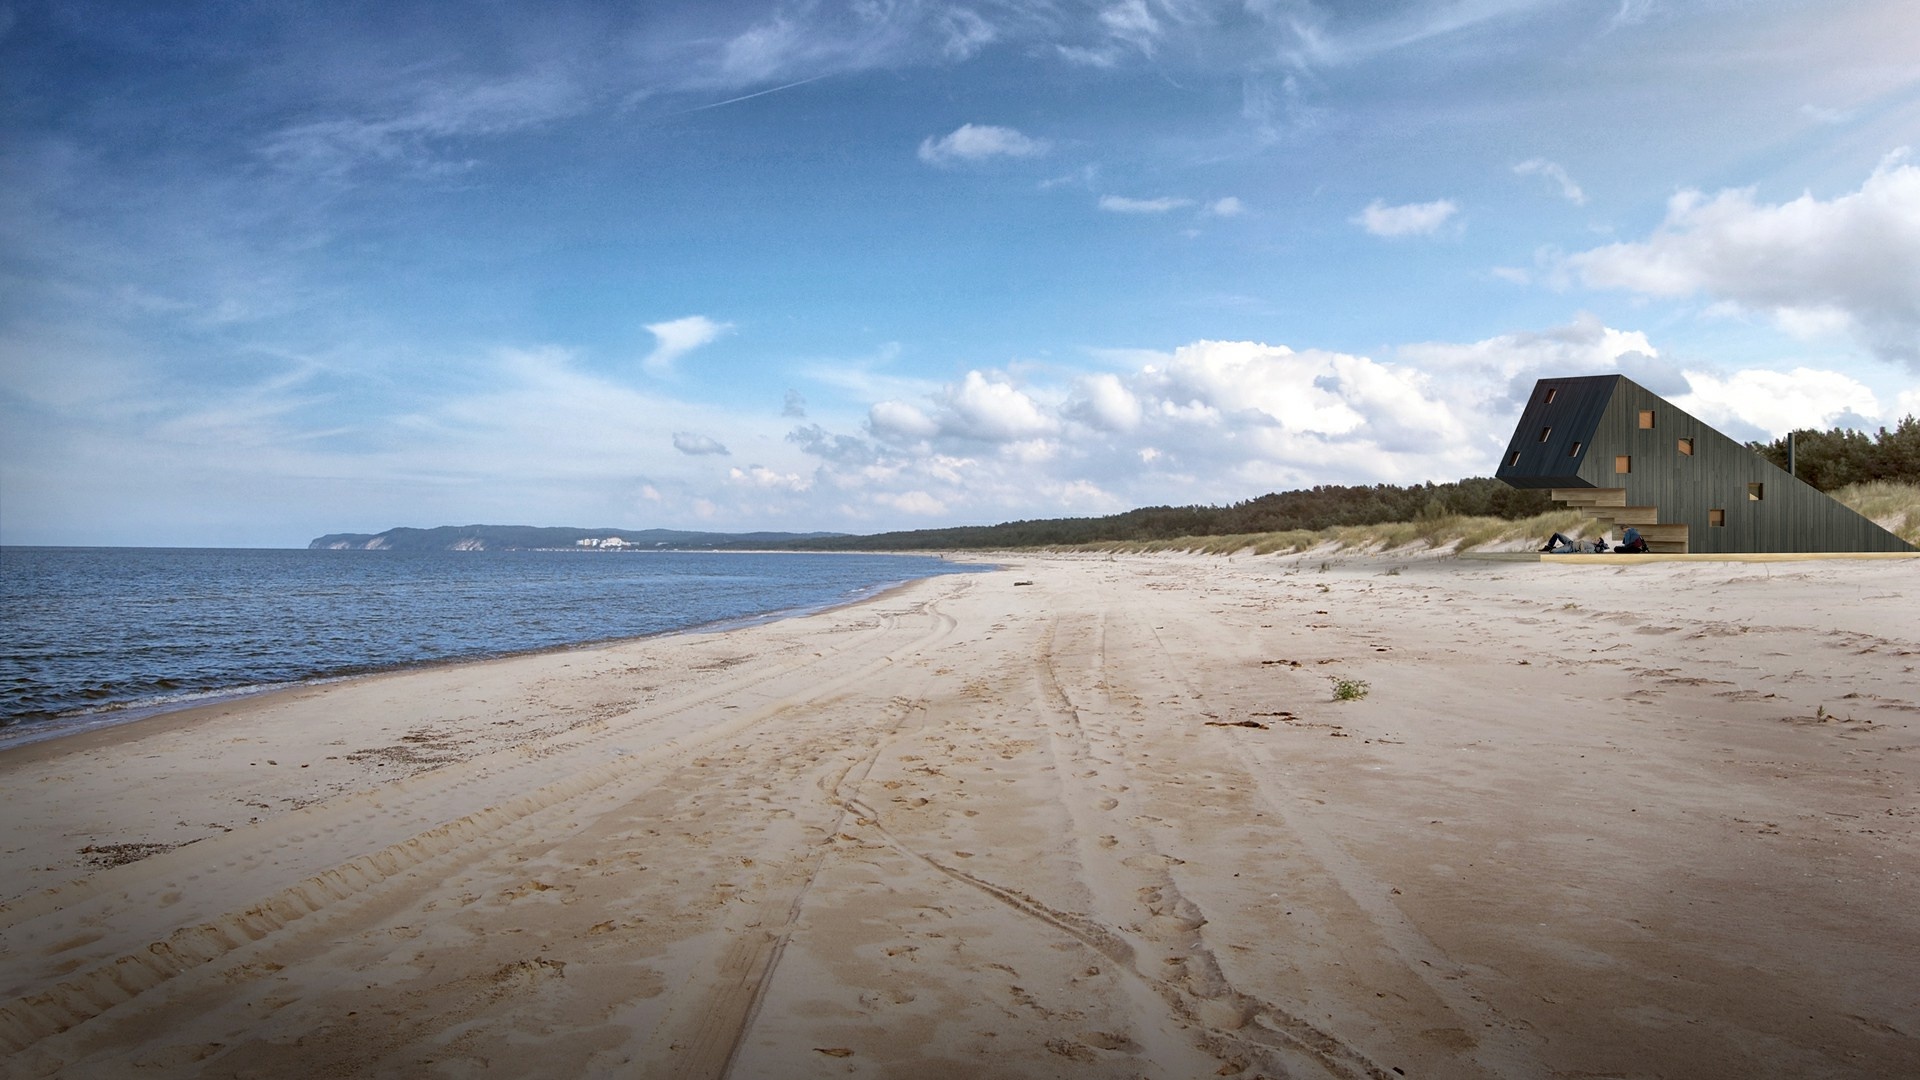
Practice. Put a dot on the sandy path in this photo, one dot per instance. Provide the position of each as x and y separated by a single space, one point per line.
1081 817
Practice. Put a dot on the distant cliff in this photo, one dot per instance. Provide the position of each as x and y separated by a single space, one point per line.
531 537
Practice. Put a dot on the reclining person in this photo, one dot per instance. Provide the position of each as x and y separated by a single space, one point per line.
1563 545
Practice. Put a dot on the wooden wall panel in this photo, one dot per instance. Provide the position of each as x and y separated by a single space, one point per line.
1603 414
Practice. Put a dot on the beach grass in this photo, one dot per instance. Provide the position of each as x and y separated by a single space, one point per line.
1894 506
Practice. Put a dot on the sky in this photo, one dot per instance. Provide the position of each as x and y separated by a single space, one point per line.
271 270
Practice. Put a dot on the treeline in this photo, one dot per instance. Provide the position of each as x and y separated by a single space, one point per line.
1834 459
1315 508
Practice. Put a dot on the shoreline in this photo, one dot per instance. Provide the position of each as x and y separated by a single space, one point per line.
1085 814
110 717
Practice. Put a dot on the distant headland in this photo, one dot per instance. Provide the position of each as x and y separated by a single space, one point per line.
538 538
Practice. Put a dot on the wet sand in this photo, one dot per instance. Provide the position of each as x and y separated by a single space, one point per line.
1078 817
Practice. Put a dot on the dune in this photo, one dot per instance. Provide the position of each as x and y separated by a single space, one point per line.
1082 816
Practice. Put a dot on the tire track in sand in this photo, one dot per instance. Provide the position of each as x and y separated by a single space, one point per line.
1498 1047
74 993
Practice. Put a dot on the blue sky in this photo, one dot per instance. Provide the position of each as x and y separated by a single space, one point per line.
272 270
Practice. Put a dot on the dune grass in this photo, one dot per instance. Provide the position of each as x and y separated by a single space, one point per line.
1451 530
1896 507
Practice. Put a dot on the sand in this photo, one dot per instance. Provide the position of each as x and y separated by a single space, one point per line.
1080 816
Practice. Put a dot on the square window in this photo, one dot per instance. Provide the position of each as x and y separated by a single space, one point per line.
1756 492
1686 447
1623 463
1646 419
1574 450
1513 458
1544 432
1551 394
1717 518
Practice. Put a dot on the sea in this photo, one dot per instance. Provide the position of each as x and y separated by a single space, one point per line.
91 637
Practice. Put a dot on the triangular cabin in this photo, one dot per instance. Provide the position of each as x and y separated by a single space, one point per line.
1605 444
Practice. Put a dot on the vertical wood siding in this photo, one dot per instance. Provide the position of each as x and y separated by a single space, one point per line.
1603 414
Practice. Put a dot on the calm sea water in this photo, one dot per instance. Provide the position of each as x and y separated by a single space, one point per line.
100 635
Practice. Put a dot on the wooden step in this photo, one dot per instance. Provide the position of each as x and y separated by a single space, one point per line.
1669 533
1667 547
1631 515
1585 497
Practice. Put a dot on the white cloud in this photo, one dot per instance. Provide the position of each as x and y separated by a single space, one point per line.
979 142
1907 404
993 410
696 445
409 138
1822 115
759 476
1120 204
966 33
1809 264
917 503
1631 13
1105 402
1542 167
897 420
1227 207
678 337
1411 219
1132 22
1776 402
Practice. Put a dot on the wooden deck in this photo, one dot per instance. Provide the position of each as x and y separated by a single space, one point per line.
1613 559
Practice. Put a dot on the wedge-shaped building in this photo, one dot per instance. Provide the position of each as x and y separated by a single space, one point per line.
1608 445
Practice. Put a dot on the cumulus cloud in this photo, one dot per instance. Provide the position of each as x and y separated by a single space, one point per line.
1766 404
1218 421
1542 167
1810 264
678 337
1410 219
971 143
899 421
795 405
1120 204
696 445
993 409
1103 401
917 503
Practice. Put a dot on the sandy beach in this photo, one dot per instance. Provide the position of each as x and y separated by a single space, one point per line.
1082 816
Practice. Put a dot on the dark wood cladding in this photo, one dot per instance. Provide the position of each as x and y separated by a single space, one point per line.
1602 415
1570 420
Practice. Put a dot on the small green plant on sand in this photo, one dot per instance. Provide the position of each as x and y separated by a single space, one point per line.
1349 689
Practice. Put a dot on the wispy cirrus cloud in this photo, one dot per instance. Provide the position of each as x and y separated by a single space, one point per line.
1121 204
417 135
